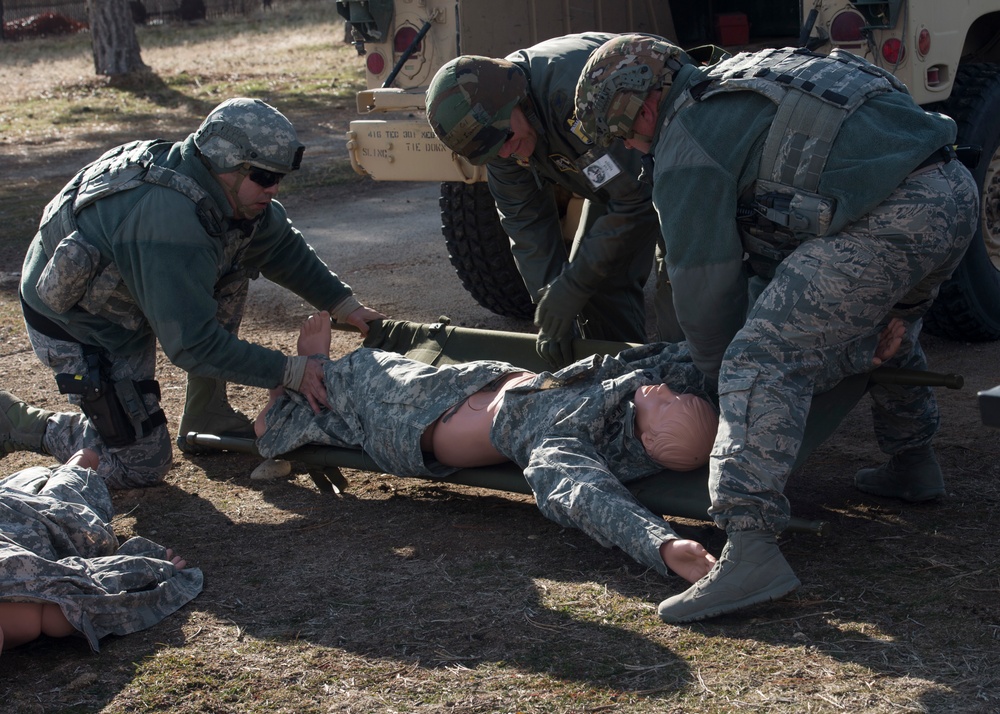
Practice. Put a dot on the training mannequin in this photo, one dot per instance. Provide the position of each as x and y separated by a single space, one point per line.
676 429
417 420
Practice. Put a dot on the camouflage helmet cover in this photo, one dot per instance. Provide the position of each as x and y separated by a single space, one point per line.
469 103
616 79
245 132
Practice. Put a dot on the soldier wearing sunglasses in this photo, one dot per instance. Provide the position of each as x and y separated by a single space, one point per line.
157 241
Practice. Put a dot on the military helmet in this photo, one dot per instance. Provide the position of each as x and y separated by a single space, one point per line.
616 79
242 132
469 103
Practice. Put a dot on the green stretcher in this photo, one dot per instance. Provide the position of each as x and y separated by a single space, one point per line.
669 493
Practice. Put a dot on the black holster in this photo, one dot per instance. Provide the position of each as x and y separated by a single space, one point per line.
115 409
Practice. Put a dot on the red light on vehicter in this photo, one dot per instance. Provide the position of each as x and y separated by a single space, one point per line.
403 38
847 27
924 42
892 51
375 63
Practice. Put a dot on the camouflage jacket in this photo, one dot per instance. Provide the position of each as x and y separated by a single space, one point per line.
57 546
175 274
525 195
571 431
706 159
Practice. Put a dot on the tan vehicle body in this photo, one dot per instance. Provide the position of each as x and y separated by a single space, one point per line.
955 31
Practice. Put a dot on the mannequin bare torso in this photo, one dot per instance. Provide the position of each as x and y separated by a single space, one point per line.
461 436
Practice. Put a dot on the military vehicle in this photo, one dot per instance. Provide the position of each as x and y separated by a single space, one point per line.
947 54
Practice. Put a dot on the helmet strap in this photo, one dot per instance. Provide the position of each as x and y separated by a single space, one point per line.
233 192
241 208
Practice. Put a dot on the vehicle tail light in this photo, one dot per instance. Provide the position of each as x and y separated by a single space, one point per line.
892 50
847 27
404 36
375 63
924 42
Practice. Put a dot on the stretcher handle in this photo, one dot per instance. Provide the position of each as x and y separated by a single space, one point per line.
916 378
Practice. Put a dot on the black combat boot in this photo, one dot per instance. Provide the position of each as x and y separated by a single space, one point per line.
913 475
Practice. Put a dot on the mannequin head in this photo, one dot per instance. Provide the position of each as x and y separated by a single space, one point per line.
677 430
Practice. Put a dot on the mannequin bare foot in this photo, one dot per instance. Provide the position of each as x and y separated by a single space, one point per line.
315 335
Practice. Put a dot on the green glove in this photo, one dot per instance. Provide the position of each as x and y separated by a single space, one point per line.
561 302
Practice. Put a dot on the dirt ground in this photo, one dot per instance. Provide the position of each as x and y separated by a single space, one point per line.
405 595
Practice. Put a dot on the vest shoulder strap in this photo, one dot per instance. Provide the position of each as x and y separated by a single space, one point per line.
814 95
121 169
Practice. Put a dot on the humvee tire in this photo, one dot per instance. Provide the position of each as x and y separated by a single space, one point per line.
479 250
966 309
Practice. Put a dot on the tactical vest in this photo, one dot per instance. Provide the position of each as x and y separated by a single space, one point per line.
814 95
76 273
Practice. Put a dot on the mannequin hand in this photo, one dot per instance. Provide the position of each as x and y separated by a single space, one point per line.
687 558
889 341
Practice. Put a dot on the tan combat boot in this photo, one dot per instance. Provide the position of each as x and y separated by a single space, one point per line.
750 571
207 411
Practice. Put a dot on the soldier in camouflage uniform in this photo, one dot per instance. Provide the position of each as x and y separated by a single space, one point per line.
158 241
823 176
513 115
62 570
579 433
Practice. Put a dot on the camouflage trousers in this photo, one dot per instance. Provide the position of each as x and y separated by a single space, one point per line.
143 463
818 321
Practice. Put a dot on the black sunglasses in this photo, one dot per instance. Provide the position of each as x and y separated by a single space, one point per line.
264 178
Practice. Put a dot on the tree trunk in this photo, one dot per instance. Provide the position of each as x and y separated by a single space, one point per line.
112 32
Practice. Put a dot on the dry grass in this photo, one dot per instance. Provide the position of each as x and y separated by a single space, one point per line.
403 596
